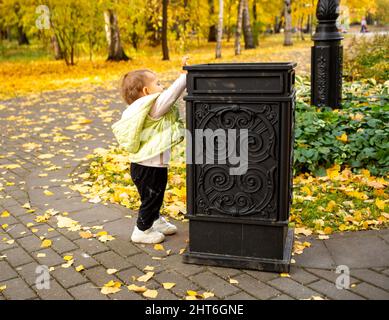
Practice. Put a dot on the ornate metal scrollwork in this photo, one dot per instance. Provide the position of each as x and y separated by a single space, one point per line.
327 10
254 192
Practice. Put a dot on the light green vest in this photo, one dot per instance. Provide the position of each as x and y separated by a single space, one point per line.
144 137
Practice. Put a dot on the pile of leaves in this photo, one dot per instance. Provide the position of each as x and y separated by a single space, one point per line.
339 201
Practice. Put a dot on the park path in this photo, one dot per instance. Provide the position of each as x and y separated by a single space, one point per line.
43 143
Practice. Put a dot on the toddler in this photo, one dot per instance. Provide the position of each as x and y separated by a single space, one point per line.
149 127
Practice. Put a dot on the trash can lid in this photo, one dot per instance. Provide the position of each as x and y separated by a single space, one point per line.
242 66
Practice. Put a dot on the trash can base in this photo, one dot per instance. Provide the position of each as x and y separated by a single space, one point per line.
238 262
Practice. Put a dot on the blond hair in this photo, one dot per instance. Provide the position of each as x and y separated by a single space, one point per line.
133 83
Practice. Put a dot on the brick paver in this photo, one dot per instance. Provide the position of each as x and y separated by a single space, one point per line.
32 127
329 290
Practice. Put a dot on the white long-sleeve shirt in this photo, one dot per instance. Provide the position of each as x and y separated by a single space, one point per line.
162 106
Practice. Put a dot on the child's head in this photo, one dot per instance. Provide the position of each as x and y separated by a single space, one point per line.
139 83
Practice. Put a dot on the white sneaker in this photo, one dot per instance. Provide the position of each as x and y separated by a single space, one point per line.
164 227
148 236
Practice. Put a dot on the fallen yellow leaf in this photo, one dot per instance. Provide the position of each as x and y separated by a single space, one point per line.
68 264
136 288
148 268
342 227
159 247
342 137
111 287
46 243
48 193
146 277
109 290
306 244
327 230
380 204
208 294
85 235
5 214
168 285
333 172
80 268
106 238
112 271
303 231
150 294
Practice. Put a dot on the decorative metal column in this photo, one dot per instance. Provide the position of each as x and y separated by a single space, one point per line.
327 57
240 221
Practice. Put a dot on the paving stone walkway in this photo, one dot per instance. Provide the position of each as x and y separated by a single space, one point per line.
39 150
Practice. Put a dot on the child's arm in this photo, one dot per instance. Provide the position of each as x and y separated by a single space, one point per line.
167 98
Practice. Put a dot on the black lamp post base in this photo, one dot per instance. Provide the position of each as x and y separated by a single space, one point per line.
241 262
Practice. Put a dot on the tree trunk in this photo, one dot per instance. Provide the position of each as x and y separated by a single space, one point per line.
220 31
90 44
239 28
58 54
278 21
134 37
165 48
301 28
308 27
134 40
228 26
255 11
72 55
115 49
276 24
247 30
255 25
288 23
64 49
186 20
5 34
212 28
22 37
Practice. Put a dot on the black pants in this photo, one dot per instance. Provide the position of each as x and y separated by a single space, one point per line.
151 184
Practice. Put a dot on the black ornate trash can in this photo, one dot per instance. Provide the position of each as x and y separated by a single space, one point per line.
240 220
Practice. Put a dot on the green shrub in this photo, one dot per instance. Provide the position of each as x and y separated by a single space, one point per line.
367 57
319 143
363 119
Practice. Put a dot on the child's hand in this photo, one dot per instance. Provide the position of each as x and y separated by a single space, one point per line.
184 60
